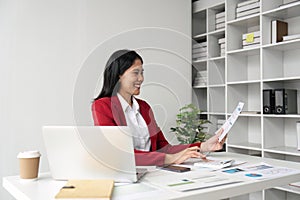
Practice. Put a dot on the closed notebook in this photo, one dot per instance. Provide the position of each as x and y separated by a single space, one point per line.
86 189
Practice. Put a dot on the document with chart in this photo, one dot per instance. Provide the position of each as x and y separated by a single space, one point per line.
230 121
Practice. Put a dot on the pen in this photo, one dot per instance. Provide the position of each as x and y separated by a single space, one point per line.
227 161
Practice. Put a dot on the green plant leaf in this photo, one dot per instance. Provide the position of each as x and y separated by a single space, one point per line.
189 125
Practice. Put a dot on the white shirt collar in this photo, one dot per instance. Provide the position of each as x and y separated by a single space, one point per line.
125 106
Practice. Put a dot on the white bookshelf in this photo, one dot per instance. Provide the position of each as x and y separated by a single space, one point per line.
243 73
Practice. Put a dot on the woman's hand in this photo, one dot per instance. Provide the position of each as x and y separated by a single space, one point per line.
180 157
213 144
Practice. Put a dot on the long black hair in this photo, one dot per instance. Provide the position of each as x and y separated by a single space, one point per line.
116 65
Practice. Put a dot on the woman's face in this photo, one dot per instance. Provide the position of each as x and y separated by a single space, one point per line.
132 79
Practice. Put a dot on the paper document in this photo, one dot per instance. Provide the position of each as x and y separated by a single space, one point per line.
190 181
230 121
263 171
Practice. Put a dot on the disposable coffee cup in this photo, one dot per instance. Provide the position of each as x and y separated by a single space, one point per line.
29 165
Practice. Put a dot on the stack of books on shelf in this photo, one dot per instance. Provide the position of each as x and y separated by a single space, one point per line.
290 37
199 51
200 79
220 20
279 29
246 8
221 42
251 39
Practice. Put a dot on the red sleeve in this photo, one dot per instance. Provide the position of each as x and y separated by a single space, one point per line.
145 158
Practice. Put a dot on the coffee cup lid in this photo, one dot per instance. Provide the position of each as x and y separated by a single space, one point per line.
29 154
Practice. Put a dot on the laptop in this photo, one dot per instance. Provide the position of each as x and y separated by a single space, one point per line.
91 152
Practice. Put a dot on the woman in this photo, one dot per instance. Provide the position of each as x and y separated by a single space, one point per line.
116 105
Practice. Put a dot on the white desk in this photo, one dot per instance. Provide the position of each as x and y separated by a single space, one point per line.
46 188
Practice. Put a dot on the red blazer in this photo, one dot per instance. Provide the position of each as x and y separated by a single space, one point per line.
108 111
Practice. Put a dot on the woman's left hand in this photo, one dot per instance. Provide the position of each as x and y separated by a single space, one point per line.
213 144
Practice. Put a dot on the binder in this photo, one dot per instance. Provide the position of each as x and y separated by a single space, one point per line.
285 101
268 101
279 29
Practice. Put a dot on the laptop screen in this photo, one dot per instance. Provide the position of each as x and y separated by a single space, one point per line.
90 152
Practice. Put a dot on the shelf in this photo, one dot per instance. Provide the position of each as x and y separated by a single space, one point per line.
243 82
246 145
199 36
200 87
216 113
247 52
217 58
249 115
283 150
296 78
216 86
289 188
217 32
199 61
284 46
251 20
242 74
284 12
281 116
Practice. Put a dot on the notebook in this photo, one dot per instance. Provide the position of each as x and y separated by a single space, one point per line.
86 189
91 152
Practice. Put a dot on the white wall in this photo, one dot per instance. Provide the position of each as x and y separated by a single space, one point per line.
52 54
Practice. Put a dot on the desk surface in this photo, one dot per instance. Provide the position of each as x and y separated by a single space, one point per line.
46 188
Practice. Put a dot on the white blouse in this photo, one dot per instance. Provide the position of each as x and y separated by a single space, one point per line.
137 124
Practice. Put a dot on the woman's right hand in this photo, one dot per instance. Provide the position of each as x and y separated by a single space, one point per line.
180 157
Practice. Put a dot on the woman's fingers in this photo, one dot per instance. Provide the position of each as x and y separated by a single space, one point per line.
189 153
195 148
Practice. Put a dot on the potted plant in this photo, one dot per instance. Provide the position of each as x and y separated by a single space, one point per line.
190 127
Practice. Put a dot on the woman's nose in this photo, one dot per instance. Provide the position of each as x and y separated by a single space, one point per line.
141 77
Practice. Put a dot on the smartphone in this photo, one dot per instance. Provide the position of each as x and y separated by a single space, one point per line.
176 168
